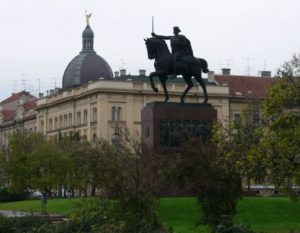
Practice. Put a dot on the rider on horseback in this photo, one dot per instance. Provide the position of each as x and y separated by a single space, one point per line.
181 47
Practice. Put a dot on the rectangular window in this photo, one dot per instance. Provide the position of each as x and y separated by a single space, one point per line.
85 117
70 119
42 126
94 114
116 113
60 121
55 123
236 117
50 124
65 120
78 118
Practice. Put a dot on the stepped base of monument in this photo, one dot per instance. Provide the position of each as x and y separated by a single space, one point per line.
169 125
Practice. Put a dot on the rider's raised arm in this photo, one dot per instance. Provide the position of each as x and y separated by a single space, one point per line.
161 37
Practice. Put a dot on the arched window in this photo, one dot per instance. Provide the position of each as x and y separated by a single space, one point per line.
116 113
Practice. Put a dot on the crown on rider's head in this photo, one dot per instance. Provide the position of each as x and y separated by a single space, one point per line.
176 29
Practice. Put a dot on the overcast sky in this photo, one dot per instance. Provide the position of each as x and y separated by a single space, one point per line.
39 38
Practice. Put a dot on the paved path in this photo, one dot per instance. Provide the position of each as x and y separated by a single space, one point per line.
14 213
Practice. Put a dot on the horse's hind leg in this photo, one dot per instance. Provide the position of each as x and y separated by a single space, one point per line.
163 83
188 80
203 85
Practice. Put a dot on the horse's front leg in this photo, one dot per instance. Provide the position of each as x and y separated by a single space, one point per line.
163 80
154 88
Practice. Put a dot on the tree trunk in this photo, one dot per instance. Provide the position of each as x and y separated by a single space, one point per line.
93 190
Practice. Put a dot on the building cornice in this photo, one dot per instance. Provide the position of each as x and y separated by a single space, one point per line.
127 88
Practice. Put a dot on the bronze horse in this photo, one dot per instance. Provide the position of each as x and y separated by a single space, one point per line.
158 50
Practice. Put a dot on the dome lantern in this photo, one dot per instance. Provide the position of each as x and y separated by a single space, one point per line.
88 36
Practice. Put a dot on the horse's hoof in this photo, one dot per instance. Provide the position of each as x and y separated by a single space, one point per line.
166 100
155 89
182 101
205 101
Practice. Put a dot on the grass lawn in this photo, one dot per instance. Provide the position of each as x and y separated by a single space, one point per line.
277 214
183 214
267 214
59 206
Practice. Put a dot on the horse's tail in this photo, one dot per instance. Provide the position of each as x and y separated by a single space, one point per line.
204 65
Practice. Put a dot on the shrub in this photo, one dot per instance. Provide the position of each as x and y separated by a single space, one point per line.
25 225
8 196
106 216
226 226
216 183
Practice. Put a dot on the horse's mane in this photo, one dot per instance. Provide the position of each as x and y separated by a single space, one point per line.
158 43
161 41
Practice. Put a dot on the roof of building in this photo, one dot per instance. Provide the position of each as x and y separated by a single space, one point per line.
10 105
14 97
30 105
88 32
8 115
245 86
87 66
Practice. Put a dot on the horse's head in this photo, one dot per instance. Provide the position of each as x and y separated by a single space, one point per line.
154 44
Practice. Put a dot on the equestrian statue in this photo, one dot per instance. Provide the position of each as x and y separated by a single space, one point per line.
180 62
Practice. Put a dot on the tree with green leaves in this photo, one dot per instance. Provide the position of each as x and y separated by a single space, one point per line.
48 167
239 144
132 175
21 145
36 163
282 133
215 180
4 176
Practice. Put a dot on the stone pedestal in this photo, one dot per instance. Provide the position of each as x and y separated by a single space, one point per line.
169 125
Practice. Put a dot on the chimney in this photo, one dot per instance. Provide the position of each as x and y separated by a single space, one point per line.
122 72
142 72
41 95
225 71
211 76
266 74
117 74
